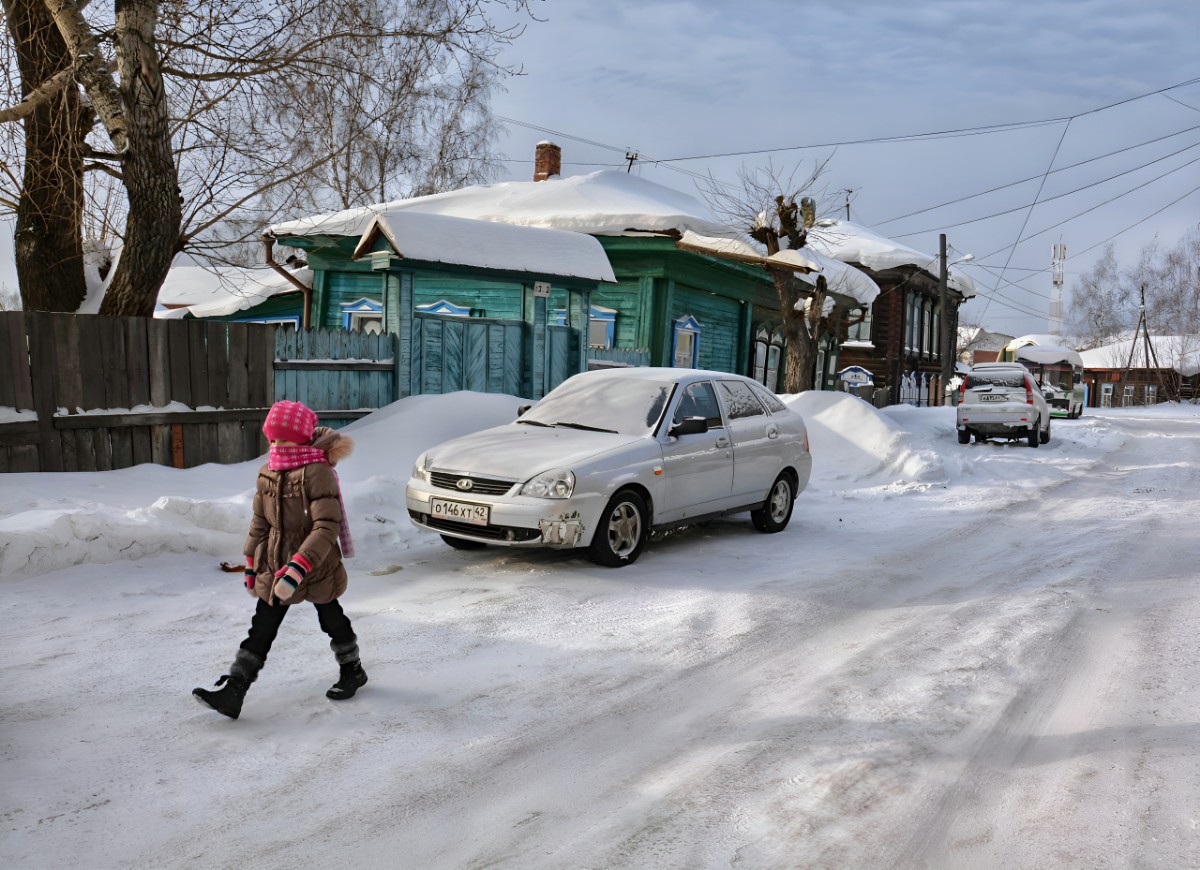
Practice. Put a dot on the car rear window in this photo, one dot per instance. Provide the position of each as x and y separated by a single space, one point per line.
1016 380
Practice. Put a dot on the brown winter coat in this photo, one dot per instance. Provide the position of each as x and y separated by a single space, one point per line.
298 511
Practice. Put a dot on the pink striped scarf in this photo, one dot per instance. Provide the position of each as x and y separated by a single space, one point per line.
288 457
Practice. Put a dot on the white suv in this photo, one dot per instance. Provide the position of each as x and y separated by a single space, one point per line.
1002 400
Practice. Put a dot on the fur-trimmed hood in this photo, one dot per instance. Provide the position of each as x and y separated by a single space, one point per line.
333 442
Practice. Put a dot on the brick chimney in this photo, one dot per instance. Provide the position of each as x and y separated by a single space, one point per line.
547 161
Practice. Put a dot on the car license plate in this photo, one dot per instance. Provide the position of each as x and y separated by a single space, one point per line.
460 511
990 397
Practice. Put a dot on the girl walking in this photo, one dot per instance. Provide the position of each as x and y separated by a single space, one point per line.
294 551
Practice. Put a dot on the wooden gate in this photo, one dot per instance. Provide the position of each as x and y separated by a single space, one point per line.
458 353
562 352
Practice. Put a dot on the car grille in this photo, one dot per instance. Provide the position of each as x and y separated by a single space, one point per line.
495 533
479 485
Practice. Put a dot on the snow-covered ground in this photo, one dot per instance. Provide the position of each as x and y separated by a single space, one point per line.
956 656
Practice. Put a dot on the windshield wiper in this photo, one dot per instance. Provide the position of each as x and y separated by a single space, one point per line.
585 428
534 423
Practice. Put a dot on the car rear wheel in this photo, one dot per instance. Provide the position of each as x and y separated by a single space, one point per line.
1032 436
463 543
624 528
964 436
776 511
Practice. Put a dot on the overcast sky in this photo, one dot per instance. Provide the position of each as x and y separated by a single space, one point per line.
692 78
702 77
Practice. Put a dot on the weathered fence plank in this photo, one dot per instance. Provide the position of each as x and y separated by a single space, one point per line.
40 329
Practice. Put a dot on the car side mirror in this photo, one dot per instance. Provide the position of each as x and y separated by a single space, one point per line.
690 426
521 409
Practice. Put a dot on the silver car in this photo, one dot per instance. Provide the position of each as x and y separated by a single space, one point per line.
1002 400
609 456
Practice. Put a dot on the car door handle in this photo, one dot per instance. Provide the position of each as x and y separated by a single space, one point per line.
722 441
772 431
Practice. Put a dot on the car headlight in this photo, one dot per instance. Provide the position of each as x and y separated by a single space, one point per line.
550 484
421 468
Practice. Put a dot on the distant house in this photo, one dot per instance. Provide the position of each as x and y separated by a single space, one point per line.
1124 373
978 345
899 342
476 303
687 292
255 294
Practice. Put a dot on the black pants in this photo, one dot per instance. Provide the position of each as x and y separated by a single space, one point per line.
267 619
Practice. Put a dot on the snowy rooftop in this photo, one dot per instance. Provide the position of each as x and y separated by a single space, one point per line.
204 291
438 238
852 243
807 261
1178 352
607 202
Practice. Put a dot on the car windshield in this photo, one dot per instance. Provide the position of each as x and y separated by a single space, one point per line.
1014 380
630 406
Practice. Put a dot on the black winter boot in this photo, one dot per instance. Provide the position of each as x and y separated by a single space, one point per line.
228 699
352 678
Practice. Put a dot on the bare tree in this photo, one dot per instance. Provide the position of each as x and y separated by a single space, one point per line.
770 207
1105 301
47 197
218 117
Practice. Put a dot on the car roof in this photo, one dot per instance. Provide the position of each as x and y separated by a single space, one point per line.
659 373
994 366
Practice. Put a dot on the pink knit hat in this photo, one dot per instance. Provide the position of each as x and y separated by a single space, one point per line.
290 421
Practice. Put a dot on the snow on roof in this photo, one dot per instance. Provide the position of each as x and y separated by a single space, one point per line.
439 238
1034 338
1178 352
852 243
1048 353
605 203
204 291
839 277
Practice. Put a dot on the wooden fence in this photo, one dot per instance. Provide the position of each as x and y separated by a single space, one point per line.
97 393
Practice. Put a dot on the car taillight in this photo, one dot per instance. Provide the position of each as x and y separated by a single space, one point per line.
962 393
1028 393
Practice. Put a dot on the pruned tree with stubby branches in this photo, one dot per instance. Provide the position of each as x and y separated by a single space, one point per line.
768 205
211 120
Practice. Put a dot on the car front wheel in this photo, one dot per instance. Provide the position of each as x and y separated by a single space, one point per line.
775 512
624 528
1045 436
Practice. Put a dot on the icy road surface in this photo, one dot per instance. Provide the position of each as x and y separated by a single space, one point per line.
955 656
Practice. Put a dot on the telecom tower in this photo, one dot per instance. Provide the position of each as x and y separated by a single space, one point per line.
1057 257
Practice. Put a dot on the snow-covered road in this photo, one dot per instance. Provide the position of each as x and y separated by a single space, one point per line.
956 656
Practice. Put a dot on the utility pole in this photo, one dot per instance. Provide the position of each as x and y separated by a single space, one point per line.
847 191
944 316
631 156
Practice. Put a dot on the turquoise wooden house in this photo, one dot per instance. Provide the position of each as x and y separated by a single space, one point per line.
666 306
477 305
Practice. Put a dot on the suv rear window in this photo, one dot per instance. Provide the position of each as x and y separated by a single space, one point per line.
1016 380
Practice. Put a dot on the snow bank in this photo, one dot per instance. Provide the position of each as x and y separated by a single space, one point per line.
854 444
53 521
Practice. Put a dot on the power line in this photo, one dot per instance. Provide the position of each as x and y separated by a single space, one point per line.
1015 307
1058 195
1034 177
939 134
1025 223
1093 208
